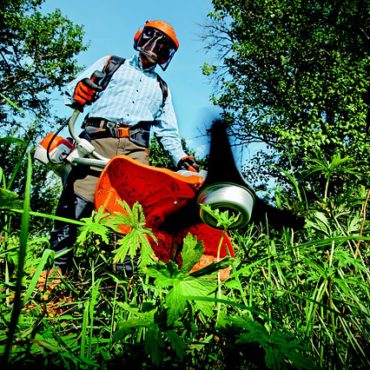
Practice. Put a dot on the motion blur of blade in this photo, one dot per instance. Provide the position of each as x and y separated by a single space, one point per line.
221 165
223 171
266 214
221 168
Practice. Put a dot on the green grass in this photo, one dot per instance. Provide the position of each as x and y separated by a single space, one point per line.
293 300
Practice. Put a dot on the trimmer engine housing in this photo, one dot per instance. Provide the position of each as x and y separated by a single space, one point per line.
53 151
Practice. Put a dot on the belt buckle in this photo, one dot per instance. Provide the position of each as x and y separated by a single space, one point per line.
122 132
111 127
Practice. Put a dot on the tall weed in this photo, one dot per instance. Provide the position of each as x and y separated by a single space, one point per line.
294 298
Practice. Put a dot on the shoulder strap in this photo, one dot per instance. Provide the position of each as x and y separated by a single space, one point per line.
164 87
114 62
111 66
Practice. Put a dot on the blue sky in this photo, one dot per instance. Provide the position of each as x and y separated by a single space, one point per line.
109 28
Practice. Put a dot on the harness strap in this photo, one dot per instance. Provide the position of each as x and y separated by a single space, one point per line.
140 133
101 128
114 62
164 87
110 67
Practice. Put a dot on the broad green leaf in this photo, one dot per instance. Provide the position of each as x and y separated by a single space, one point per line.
141 320
165 275
191 252
137 239
176 303
189 286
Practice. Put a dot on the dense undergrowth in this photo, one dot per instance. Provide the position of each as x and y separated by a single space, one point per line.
294 299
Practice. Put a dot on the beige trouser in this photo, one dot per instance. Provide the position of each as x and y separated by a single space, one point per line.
86 178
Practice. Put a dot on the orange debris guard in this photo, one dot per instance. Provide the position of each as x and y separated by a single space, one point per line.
163 195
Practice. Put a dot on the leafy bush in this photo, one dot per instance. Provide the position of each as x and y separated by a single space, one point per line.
293 299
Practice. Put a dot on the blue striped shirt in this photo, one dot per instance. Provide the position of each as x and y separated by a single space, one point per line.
134 95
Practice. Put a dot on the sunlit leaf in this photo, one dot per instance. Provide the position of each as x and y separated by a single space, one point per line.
191 252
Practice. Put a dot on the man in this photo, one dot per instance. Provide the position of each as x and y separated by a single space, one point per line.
119 121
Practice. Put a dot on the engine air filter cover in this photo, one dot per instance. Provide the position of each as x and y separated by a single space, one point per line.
227 197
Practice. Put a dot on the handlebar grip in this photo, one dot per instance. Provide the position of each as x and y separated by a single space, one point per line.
96 79
94 83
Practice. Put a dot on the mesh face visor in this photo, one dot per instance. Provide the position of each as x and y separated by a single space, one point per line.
157 46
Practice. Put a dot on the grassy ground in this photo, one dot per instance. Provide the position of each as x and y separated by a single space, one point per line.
292 300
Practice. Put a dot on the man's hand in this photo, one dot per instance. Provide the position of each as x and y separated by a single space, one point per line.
85 93
188 163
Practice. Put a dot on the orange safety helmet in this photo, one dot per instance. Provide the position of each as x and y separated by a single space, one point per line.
158 41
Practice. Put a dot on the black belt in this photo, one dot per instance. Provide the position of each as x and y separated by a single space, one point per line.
107 128
138 134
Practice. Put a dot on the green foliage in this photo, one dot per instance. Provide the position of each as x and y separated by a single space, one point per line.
98 224
191 253
181 284
294 299
159 158
336 167
287 303
224 220
37 56
17 306
44 187
9 199
136 238
295 76
208 70
279 347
